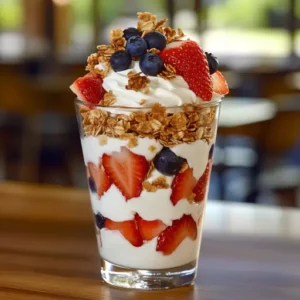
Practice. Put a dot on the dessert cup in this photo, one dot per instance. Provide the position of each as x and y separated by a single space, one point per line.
148 173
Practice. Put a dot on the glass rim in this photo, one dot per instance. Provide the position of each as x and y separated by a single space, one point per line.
199 105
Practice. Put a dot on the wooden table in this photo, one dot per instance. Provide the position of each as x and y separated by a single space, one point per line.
48 250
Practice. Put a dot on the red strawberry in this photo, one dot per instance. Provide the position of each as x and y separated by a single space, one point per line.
127 171
101 180
172 237
89 88
219 83
149 229
128 229
191 63
202 185
182 185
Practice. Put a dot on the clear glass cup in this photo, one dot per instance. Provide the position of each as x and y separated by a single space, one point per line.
148 206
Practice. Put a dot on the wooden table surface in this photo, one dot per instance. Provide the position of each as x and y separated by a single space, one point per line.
48 250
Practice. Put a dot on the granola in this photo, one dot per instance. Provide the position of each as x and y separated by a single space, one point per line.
137 82
158 183
169 129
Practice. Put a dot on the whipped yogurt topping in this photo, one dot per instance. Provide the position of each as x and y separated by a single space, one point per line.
174 92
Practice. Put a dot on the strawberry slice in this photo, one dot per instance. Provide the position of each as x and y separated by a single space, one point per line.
220 85
171 238
191 63
127 171
89 88
201 187
128 229
98 175
182 185
149 229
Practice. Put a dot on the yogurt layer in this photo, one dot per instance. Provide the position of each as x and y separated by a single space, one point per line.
174 92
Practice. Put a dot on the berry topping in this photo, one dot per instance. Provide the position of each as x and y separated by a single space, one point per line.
213 63
211 151
92 186
167 162
151 64
120 61
190 62
127 171
155 39
129 32
101 180
182 186
89 88
219 83
149 229
100 221
128 229
173 236
201 187
136 46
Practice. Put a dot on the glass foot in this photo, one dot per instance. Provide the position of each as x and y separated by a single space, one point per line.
148 279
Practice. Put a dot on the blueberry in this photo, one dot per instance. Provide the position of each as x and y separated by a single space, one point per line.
136 46
211 151
100 221
155 39
120 60
129 32
151 64
92 185
213 63
167 162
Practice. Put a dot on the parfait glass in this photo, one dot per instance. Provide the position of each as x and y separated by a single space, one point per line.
148 173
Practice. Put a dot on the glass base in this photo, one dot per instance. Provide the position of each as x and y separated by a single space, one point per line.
148 279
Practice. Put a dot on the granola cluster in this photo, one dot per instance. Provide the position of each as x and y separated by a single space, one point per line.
169 129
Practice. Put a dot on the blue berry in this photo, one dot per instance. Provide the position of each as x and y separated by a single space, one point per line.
151 64
155 39
129 32
213 63
120 60
136 46
100 221
211 151
92 185
167 162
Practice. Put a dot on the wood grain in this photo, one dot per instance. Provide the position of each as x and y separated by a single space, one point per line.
48 251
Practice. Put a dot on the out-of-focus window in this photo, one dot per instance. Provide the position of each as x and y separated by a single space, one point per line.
11 36
248 27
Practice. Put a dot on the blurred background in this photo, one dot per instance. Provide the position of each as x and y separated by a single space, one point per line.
43 48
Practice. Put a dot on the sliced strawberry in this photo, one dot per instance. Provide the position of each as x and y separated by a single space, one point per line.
171 238
220 85
89 88
149 229
201 187
182 185
191 63
101 180
127 171
128 229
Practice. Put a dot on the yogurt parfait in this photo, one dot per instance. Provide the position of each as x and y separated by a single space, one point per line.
148 110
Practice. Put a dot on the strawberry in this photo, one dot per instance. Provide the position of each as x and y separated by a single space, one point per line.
202 185
128 229
171 238
191 63
127 171
219 83
182 185
98 175
89 88
149 229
